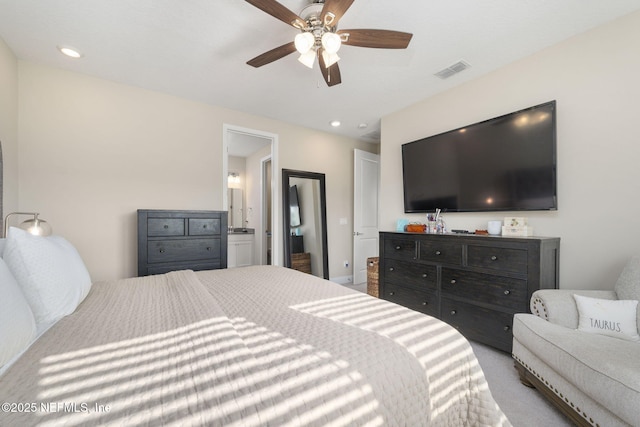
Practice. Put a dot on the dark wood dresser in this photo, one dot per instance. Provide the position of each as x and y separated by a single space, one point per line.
475 283
181 240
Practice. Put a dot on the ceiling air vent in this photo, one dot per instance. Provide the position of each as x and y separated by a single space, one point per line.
452 69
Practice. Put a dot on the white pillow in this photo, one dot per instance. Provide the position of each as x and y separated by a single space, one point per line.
615 318
17 325
50 272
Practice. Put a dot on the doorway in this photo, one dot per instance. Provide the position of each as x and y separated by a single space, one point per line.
365 212
249 156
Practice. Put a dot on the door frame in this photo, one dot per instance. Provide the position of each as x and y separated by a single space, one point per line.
276 214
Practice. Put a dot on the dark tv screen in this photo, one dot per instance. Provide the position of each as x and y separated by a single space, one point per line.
502 164
294 206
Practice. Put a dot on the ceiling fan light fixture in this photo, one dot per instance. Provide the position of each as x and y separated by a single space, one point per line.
331 42
304 42
329 58
308 58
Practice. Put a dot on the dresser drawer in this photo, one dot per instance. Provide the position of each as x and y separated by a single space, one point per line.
479 323
422 301
183 250
410 273
503 291
441 252
204 226
400 248
160 227
496 258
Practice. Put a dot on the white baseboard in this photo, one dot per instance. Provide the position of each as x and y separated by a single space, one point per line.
342 280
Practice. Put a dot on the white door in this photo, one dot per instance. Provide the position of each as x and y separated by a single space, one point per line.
365 212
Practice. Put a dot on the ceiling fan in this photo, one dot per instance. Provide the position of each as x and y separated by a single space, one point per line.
319 36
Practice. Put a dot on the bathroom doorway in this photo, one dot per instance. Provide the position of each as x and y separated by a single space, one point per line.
249 156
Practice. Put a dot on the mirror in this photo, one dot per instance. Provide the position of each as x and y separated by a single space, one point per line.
236 210
304 212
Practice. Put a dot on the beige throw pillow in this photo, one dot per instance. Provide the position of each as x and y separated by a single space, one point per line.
615 318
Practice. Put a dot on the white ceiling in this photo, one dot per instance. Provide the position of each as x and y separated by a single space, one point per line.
198 49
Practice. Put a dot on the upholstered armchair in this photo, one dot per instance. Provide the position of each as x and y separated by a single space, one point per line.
583 354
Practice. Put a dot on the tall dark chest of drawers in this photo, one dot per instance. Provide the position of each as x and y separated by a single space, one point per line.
474 283
181 240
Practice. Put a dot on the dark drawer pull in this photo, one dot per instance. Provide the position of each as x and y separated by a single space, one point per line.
392 293
204 226
507 292
453 281
493 258
425 303
438 253
453 312
391 269
161 251
506 328
166 227
209 248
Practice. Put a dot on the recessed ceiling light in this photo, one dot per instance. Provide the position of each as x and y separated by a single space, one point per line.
362 126
70 52
335 123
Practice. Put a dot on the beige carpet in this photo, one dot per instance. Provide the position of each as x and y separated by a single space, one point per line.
524 406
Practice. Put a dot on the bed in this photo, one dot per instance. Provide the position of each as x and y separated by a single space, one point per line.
252 346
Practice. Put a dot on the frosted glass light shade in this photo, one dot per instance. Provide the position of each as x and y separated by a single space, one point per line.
308 58
304 42
329 58
331 42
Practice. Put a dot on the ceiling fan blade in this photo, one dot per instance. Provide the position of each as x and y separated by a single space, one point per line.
332 74
337 7
272 55
383 39
278 11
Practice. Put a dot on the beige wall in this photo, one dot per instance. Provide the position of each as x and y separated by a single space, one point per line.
9 128
594 78
93 151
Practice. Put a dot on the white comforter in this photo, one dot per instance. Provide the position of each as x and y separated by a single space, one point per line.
256 346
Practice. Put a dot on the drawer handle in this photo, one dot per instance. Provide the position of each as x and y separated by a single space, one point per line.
398 247
507 328
494 258
161 251
392 293
209 248
166 226
438 253
425 303
507 292
204 226
424 275
391 269
453 312
453 281
370 264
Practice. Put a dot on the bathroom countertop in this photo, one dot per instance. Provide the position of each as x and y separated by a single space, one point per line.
242 231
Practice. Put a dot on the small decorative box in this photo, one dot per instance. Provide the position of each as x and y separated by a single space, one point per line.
514 221
521 231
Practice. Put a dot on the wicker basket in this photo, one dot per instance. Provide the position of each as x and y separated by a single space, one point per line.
372 276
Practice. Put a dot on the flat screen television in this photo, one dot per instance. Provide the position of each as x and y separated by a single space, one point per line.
507 163
294 206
